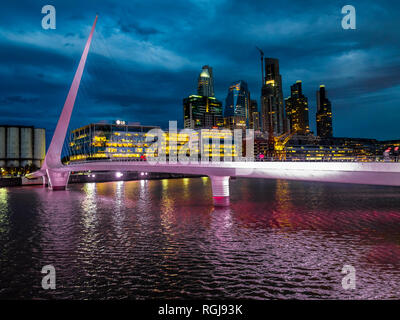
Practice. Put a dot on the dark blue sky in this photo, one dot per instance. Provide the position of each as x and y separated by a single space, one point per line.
146 56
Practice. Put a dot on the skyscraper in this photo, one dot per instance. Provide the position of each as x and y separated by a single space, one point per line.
297 110
203 111
324 114
272 110
205 83
237 105
254 115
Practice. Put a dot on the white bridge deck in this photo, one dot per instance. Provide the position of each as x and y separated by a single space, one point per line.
376 173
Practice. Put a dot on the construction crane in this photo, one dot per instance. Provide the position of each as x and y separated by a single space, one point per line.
280 143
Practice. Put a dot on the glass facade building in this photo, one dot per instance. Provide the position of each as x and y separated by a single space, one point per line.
272 109
203 111
324 114
101 141
205 82
115 141
297 110
237 106
200 112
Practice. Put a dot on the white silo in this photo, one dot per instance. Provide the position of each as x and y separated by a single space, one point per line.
2 147
26 146
12 147
39 146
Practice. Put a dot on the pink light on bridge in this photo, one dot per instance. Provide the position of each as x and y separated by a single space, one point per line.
53 155
221 201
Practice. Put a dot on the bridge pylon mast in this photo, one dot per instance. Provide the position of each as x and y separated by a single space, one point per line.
50 170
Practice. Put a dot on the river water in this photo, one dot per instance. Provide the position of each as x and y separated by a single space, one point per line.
164 239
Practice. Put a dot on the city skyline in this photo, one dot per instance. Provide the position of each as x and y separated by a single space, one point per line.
120 83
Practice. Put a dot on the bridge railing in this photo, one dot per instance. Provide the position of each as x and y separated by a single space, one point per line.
267 159
331 159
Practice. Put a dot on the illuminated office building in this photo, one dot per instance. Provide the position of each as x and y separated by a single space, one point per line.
272 109
109 141
217 143
121 141
205 82
324 114
319 153
203 111
205 144
200 112
309 147
237 105
297 110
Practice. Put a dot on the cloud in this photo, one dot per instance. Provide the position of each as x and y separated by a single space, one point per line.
134 27
17 99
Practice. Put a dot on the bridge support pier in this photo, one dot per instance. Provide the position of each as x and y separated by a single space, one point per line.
57 180
220 190
45 181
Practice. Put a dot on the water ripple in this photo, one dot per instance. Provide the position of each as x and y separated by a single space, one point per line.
164 239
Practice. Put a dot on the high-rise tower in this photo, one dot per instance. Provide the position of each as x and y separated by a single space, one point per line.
205 83
272 112
324 114
237 105
297 110
203 111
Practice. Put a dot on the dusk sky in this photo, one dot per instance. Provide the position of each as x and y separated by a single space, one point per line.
146 57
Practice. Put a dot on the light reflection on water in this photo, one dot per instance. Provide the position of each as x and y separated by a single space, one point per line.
164 239
3 210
